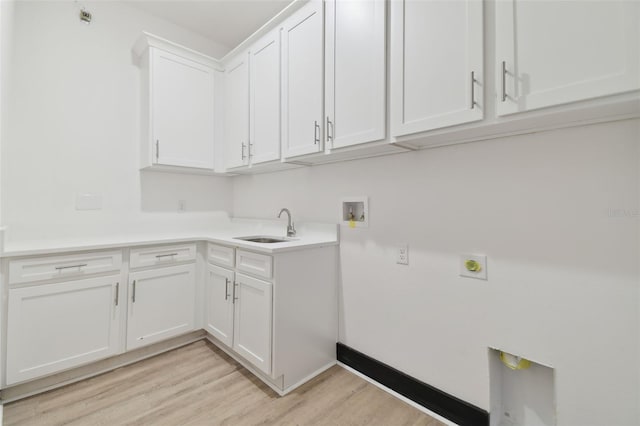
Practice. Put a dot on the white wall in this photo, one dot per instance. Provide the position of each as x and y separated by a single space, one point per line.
6 53
557 215
75 126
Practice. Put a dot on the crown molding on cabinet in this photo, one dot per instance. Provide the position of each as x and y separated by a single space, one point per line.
263 30
147 40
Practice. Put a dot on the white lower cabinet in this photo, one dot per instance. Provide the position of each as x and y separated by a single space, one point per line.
219 303
53 327
161 304
275 313
238 314
252 321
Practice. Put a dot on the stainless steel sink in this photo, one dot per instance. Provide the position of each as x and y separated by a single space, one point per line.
267 239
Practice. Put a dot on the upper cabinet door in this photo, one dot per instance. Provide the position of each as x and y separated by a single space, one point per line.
265 99
354 72
182 99
555 52
236 111
436 64
302 81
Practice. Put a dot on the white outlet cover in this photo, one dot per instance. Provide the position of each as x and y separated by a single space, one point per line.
482 260
402 255
88 201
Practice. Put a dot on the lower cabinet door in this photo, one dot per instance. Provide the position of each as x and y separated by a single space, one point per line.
53 327
253 313
161 304
219 303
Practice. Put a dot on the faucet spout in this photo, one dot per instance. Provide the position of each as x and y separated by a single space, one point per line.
291 230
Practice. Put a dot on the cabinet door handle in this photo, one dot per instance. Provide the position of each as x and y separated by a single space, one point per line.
157 150
133 296
250 149
242 153
473 89
235 284
226 289
316 133
60 268
117 293
504 81
158 256
329 130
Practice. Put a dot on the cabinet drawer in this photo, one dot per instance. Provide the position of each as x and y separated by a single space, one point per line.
161 255
253 263
47 268
220 255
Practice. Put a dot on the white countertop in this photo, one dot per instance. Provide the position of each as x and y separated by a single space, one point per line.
308 235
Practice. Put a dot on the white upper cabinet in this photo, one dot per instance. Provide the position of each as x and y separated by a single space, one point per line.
182 111
302 81
354 72
436 64
177 105
236 111
556 52
264 120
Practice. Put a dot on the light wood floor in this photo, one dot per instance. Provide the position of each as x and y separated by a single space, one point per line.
200 385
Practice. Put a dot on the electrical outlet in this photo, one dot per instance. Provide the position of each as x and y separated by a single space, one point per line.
182 205
402 255
473 266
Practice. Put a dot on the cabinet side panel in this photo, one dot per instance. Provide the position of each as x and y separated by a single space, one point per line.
145 111
305 312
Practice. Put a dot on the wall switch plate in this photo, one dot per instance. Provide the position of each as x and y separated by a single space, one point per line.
88 201
473 266
402 255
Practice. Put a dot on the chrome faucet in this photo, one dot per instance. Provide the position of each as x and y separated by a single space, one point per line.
291 230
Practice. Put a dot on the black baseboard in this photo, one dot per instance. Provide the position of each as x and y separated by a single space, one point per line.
448 406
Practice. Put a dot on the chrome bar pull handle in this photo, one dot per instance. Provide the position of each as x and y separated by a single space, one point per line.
316 133
158 256
504 81
329 130
250 150
133 295
243 147
235 284
60 268
157 150
473 89
226 289
117 293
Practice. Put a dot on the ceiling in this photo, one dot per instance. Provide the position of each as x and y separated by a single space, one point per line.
227 22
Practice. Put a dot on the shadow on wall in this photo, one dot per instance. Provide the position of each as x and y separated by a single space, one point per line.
174 192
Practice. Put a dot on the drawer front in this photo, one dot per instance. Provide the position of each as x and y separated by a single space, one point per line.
260 265
161 255
53 267
221 255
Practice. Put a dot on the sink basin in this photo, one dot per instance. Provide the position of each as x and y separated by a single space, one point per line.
266 239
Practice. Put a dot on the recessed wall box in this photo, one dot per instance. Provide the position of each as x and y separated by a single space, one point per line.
354 212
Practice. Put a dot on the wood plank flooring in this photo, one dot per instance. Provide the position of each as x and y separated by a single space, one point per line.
200 385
